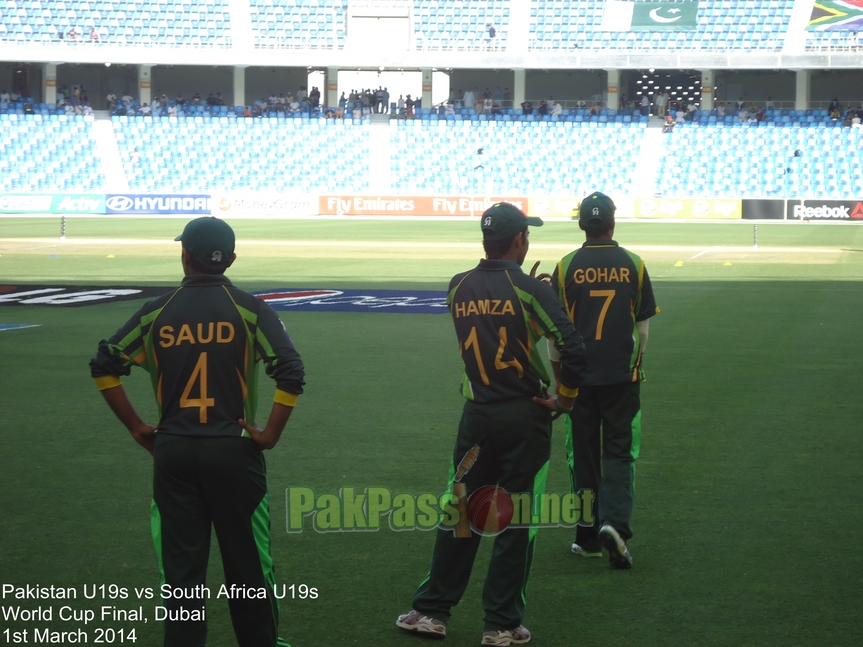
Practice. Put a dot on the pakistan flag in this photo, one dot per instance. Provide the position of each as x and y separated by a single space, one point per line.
649 16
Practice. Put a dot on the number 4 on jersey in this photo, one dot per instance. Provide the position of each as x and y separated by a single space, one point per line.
199 374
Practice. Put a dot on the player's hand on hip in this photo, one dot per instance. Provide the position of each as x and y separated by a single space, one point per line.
544 277
145 436
261 438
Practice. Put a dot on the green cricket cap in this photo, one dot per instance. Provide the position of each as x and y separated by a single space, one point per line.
209 240
503 220
596 210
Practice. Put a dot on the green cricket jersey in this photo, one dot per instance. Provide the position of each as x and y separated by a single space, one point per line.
201 345
605 290
500 313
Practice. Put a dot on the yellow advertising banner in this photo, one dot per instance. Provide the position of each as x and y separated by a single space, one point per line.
689 208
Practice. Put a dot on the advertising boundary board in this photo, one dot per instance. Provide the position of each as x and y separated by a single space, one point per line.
194 204
763 209
825 210
53 203
689 208
402 205
266 205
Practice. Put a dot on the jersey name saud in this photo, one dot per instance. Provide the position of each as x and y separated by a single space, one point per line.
222 332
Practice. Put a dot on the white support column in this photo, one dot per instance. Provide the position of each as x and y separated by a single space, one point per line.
707 89
145 85
613 102
801 101
518 87
239 85
427 87
49 83
332 87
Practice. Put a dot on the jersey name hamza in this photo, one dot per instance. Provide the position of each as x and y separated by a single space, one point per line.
483 307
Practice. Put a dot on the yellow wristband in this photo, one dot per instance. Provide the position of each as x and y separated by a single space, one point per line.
285 398
107 382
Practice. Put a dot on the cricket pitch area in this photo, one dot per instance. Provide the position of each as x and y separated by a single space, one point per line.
749 489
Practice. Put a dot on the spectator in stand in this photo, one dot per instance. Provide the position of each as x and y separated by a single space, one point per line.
219 100
498 95
79 109
294 105
557 109
836 114
301 93
645 105
60 33
386 101
409 106
180 101
581 103
834 106
507 98
526 107
163 101
401 105
357 113
743 115
661 103
28 108
760 116
73 35
173 110
68 109
669 124
691 109
469 99
196 100
4 96
134 156
596 109
449 108
111 100
14 96
741 104
340 112
127 98
314 97
543 108
88 110
680 116
343 102
487 105
94 35
720 110
211 100
769 103
492 32
145 110
857 119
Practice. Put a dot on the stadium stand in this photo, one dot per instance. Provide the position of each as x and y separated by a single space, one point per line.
299 23
44 152
520 156
722 25
205 154
454 24
718 159
124 22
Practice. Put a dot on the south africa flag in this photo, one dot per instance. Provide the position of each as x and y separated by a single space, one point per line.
836 15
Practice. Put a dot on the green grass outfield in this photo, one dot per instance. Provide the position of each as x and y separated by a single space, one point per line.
750 489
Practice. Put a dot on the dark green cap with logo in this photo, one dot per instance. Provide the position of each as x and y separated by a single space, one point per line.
596 211
209 240
503 220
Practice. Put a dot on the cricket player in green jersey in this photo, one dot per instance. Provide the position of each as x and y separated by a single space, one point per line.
504 437
607 293
201 345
